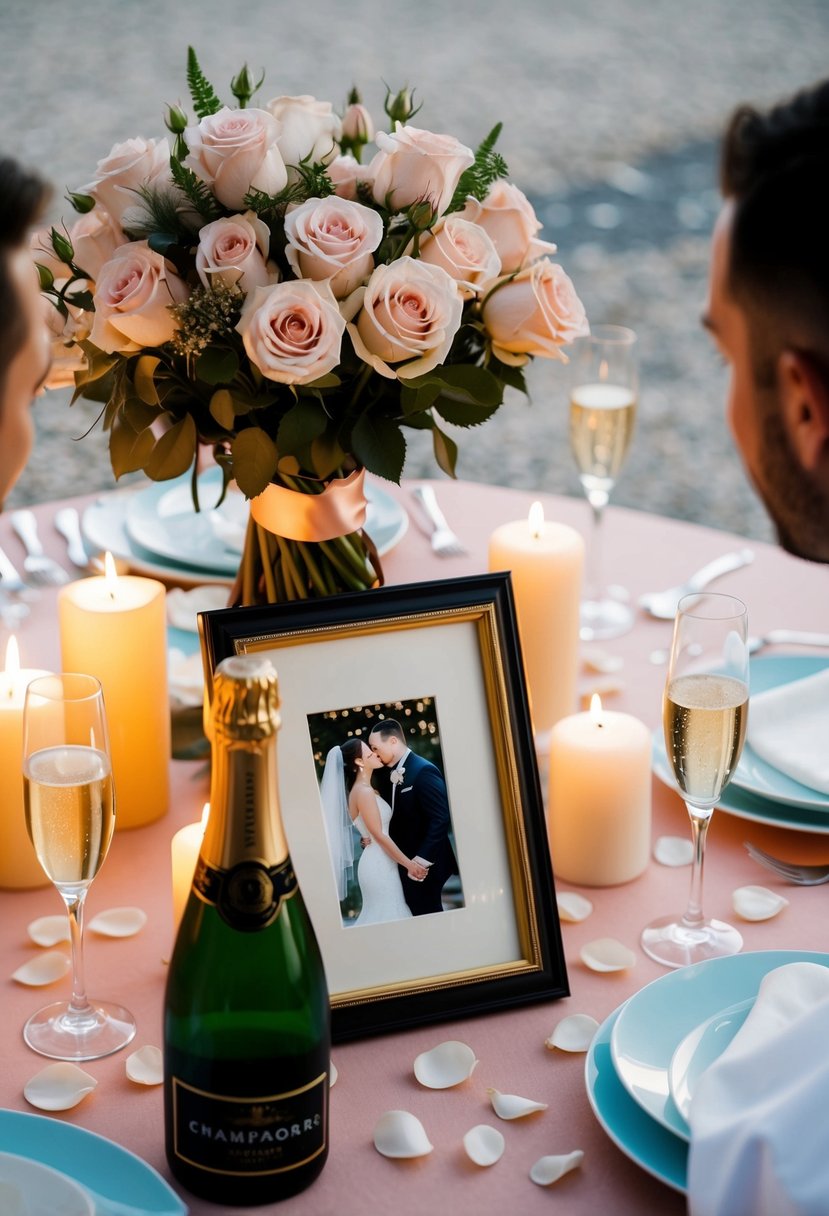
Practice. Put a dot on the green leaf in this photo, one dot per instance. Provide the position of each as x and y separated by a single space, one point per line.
196 191
513 377
222 408
446 451
98 363
127 450
45 277
378 444
144 379
217 365
463 382
417 395
254 460
173 453
487 167
138 414
303 423
205 100
326 456
463 413
81 299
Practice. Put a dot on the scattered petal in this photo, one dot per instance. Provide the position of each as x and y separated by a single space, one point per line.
400 1134
332 1080
573 907
548 1170
674 850
445 1065
607 954
757 903
601 661
484 1144
511 1106
49 930
573 1033
58 1087
146 1066
118 922
44 969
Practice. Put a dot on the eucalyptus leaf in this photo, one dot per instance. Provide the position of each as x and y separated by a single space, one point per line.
379 445
128 450
215 365
446 451
138 414
143 378
173 453
254 460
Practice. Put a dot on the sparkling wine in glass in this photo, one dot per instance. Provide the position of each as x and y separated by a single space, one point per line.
704 714
603 380
70 816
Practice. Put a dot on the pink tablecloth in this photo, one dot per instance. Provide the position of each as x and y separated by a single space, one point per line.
642 552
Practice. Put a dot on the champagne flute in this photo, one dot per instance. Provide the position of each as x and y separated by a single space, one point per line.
70 817
603 382
704 714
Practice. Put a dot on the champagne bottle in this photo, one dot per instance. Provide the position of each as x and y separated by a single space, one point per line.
246 1015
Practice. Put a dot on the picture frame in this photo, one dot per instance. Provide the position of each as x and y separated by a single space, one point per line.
454 642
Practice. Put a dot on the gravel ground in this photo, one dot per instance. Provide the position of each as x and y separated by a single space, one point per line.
611 110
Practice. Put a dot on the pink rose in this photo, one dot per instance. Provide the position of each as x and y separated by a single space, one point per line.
506 214
414 165
292 331
345 172
94 236
332 239
464 251
534 313
65 332
133 295
234 250
129 166
310 130
235 151
409 314
357 124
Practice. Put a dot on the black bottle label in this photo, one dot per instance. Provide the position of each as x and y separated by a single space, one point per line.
249 895
249 1136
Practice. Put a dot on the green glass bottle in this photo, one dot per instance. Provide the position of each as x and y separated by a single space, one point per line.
246 1015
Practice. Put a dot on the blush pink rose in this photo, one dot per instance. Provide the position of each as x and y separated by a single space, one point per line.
534 313
310 130
65 332
129 166
234 251
345 172
292 331
333 239
464 251
408 314
414 165
94 237
133 295
234 151
507 216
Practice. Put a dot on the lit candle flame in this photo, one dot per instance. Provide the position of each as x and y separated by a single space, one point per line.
596 709
110 575
536 520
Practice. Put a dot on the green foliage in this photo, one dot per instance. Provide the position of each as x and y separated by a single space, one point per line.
197 192
254 460
205 101
487 167
313 182
379 445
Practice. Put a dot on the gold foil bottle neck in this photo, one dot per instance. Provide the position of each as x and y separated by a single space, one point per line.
245 697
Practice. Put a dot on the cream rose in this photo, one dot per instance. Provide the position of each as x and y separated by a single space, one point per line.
94 238
133 294
408 314
234 151
345 172
129 166
310 129
234 250
65 332
464 251
334 239
292 331
507 216
413 165
534 313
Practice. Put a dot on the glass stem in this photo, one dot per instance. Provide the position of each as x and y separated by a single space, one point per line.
74 906
693 917
598 500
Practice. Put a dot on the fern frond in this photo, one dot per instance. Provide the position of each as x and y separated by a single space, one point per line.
313 182
204 97
487 167
196 191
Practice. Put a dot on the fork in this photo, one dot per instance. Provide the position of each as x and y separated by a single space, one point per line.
38 566
444 541
803 876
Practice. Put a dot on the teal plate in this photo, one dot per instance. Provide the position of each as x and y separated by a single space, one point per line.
121 1183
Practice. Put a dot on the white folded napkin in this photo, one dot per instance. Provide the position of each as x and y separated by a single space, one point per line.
182 606
758 1116
788 727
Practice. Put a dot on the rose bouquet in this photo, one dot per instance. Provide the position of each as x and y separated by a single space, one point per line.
259 290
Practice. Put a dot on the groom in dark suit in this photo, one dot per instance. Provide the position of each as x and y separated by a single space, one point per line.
420 819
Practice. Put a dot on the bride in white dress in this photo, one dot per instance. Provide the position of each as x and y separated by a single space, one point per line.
348 799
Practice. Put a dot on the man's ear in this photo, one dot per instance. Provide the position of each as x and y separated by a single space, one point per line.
803 389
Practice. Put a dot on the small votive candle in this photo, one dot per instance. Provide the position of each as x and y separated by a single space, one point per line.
19 866
599 811
184 849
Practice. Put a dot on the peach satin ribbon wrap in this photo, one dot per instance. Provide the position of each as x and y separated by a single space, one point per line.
338 511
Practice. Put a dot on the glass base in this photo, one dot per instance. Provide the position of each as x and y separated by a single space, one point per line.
672 943
63 1033
600 619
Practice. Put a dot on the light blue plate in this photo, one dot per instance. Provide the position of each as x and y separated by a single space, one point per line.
635 1133
658 1017
699 1049
125 1183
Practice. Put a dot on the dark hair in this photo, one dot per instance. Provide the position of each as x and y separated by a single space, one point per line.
352 751
387 728
22 198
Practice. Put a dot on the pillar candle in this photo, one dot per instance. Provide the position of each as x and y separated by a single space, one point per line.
184 849
599 810
546 561
19 866
115 628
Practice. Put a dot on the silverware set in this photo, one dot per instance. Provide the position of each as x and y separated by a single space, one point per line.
800 875
445 543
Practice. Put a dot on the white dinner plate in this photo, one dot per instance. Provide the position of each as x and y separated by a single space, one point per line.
700 1048
658 1017
120 1182
29 1186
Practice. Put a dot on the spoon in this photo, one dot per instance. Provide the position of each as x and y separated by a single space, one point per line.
663 604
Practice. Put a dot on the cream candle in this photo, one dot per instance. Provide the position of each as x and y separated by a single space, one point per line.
19 866
184 849
599 811
114 628
546 560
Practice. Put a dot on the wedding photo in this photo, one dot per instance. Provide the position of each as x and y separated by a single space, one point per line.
386 811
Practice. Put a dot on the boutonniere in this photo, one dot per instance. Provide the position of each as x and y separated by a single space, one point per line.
397 776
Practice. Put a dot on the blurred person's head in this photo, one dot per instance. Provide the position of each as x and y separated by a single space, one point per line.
769 308
25 350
